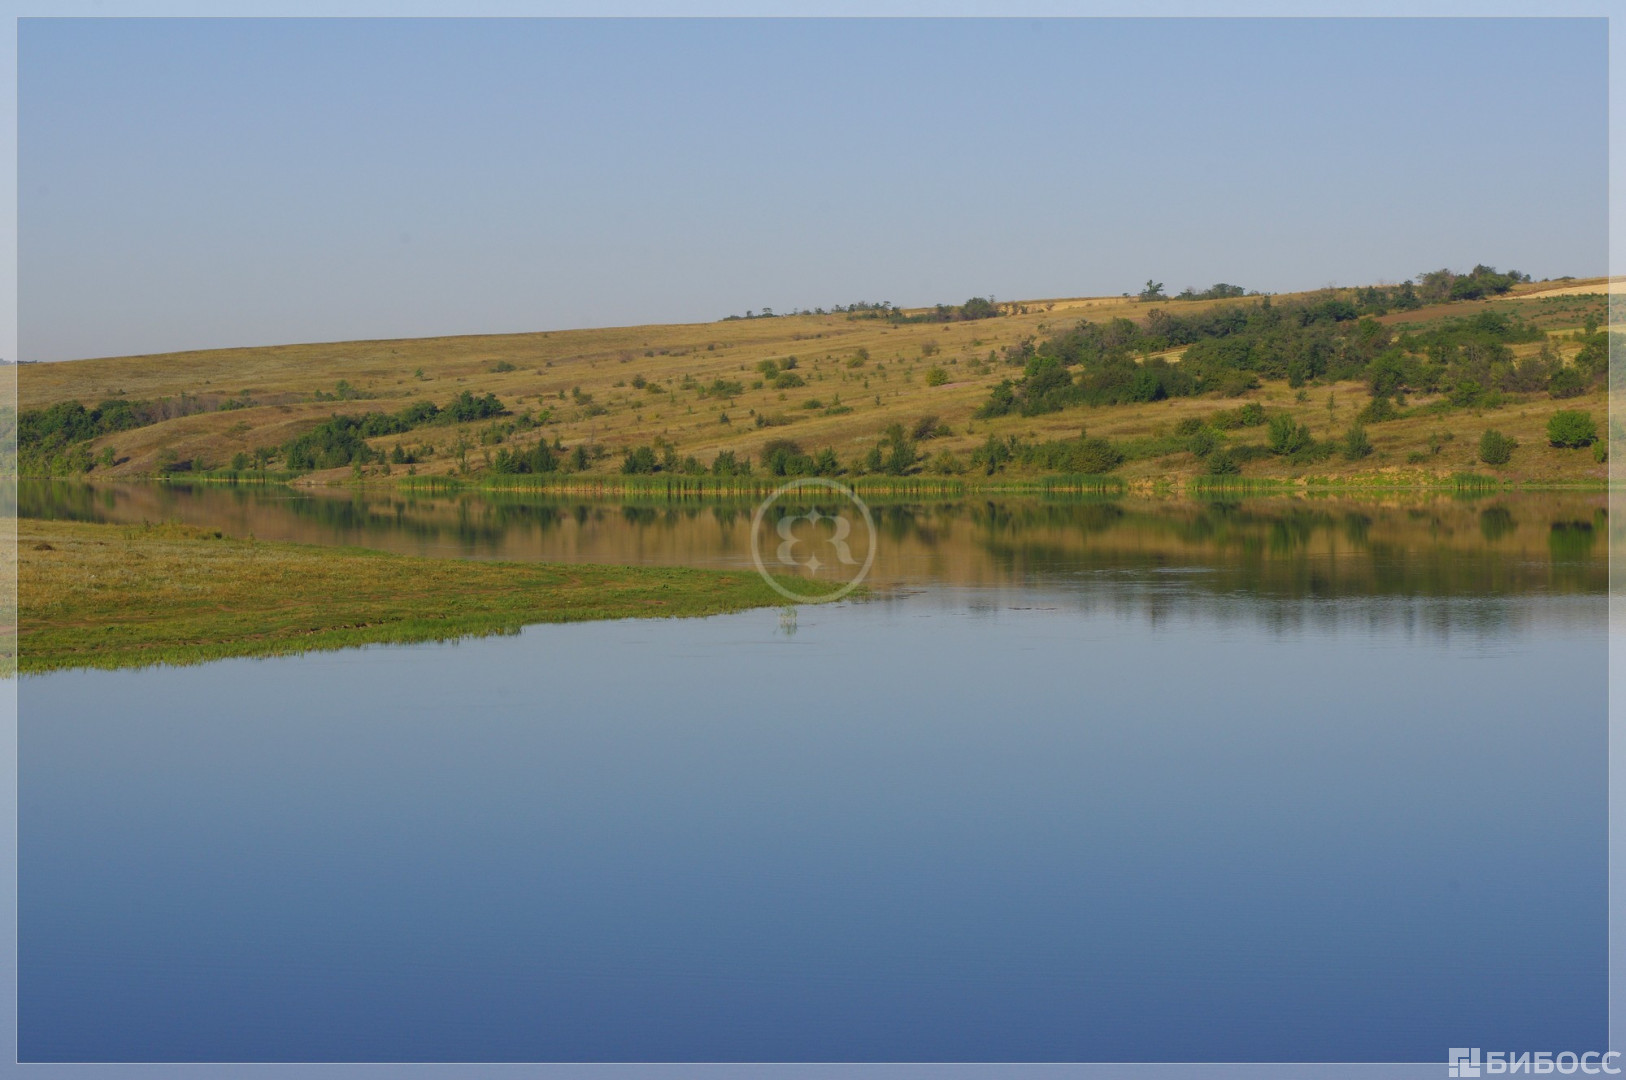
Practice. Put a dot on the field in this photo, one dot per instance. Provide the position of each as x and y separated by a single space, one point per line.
614 389
113 596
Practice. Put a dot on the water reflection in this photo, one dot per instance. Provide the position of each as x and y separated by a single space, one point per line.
1291 548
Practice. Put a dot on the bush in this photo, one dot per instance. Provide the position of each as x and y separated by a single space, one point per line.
1250 415
1566 383
1223 463
727 464
936 376
639 461
540 458
1600 451
928 427
784 457
1355 444
728 388
1496 448
1571 428
1202 442
1377 411
1287 436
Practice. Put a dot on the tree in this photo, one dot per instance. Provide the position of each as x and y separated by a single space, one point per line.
1571 428
1153 290
639 461
1496 448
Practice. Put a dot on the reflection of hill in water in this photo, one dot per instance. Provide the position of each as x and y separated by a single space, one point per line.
1265 548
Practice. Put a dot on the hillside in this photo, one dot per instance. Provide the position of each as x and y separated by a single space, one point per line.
692 391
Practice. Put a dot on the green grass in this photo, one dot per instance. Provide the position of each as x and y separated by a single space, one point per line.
112 596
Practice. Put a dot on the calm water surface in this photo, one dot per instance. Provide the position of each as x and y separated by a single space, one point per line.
1083 781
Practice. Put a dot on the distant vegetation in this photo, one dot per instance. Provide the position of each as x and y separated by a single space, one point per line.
1229 348
342 441
975 308
1217 381
55 441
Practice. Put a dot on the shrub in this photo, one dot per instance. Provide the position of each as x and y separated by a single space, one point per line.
1600 451
787 380
1202 442
936 376
992 454
540 458
784 457
1566 383
1571 428
639 461
928 427
1223 463
1287 436
1496 448
727 388
727 464
1355 444
1250 415
1377 411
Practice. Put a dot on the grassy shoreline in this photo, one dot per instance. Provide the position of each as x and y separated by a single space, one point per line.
119 596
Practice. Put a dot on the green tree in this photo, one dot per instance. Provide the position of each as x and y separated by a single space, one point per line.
1496 448
640 460
1571 428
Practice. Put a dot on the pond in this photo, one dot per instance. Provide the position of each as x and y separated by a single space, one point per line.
1103 780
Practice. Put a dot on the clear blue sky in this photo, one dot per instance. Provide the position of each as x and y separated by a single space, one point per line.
192 184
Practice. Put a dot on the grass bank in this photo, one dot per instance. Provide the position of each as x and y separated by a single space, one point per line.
117 596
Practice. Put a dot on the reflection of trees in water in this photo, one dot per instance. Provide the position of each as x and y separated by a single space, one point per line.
1485 618
1295 548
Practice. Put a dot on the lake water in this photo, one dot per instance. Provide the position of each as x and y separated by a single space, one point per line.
1094 780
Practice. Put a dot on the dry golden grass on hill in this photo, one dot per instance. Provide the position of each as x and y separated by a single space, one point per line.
860 376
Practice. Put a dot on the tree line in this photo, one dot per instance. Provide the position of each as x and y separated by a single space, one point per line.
1231 347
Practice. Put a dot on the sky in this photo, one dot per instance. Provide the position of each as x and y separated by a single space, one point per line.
206 183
